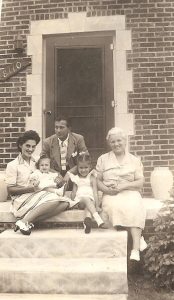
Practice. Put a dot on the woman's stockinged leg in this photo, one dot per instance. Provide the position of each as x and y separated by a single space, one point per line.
45 211
136 236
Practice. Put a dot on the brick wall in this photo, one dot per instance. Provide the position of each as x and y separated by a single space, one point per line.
151 60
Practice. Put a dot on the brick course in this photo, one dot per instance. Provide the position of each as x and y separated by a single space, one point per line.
151 60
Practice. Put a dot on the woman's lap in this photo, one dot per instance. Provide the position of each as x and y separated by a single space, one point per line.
25 203
125 209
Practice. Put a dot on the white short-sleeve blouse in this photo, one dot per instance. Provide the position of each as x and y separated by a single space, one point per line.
111 170
18 171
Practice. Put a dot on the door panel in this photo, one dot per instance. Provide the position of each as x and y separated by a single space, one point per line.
79 84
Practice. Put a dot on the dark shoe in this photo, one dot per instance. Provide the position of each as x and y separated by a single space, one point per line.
103 226
87 224
25 232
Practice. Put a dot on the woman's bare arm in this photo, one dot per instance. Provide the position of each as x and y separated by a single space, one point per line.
19 190
74 190
135 185
95 190
105 189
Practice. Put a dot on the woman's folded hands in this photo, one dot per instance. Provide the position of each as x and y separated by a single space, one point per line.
117 187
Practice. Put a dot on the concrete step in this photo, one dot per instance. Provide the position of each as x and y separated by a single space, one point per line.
60 297
63 276
64 243
75 216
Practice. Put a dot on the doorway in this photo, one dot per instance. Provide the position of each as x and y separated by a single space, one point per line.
79 84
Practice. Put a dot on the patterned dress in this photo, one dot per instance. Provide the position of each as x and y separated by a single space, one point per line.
18 173
125 208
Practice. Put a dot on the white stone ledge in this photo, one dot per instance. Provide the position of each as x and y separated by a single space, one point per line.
74 216
123 40
34 44
49 27
34 84
126 122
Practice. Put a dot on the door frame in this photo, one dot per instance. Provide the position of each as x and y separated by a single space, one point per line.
79 22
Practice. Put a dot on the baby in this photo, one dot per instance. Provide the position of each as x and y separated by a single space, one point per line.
44 178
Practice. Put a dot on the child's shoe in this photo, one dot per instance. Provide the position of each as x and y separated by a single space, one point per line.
143 244
135 255
87 224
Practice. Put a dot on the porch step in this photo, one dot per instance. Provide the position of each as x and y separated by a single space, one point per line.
61 297
64 243
63 276
76 216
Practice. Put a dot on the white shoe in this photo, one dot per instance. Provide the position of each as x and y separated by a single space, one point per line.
135 255
143 244
25 228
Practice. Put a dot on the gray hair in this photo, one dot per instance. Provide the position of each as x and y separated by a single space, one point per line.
116 131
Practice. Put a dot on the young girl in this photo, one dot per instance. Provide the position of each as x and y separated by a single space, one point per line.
85 191
44 179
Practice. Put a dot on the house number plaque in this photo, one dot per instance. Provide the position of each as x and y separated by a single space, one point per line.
13 68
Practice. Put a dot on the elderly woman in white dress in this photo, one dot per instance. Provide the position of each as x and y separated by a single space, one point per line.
120 178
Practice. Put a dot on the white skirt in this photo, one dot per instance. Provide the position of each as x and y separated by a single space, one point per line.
125 209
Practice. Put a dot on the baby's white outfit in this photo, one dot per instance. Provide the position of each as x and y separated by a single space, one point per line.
46 179
84 188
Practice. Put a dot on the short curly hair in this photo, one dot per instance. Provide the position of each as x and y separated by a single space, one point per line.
116 131
27 135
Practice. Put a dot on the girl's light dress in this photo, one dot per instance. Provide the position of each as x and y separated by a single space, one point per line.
84 188
125 208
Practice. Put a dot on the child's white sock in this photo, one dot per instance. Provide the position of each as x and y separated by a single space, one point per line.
97 218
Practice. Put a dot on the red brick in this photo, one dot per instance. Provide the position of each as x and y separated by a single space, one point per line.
151 60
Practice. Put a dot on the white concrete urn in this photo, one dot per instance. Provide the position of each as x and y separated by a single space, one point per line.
3 187
161 182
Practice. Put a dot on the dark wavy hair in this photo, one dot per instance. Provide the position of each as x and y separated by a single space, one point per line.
27 135
40 158
64 118
84 157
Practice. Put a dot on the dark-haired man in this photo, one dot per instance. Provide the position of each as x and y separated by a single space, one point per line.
63 147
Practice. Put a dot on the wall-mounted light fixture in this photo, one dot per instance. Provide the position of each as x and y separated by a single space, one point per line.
18 44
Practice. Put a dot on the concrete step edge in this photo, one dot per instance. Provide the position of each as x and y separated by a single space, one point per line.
12 296
65 233
63 265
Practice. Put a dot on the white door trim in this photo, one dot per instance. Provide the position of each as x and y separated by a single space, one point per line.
79 22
